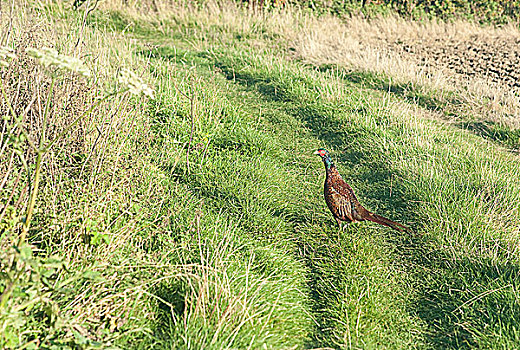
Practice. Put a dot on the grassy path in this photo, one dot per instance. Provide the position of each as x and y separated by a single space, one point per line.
366 287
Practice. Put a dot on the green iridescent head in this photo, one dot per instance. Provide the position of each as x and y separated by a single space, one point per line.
325 156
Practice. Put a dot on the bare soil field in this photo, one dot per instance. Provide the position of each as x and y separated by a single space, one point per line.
493 58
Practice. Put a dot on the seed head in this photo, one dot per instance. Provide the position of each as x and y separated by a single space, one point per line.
135 84
51 58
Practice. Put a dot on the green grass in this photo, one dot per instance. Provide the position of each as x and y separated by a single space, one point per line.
241 252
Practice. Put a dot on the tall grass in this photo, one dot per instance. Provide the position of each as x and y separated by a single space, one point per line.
55 139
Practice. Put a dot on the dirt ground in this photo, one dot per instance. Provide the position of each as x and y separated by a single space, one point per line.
494 58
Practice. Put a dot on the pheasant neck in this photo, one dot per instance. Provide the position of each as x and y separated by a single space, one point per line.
328 163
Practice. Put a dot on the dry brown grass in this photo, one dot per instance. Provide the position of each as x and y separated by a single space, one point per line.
102 140
366 45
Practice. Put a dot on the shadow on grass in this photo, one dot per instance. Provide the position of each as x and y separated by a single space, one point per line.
460 299
169 299
409 93
494 132
455 316
406 91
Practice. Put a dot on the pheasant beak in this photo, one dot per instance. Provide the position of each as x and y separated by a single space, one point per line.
317 152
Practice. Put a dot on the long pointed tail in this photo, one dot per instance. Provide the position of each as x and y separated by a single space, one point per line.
386 222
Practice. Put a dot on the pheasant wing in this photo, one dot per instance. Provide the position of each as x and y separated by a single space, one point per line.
344 200
350 206
344 189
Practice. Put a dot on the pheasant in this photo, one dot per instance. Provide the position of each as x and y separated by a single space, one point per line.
342 201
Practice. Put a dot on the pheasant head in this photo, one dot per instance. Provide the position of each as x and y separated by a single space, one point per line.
325 157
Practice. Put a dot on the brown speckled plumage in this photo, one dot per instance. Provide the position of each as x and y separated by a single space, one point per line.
342 201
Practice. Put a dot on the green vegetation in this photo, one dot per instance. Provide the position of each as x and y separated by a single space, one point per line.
195 219
449 103
482 11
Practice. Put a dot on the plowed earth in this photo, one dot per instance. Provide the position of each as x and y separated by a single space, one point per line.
496 59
